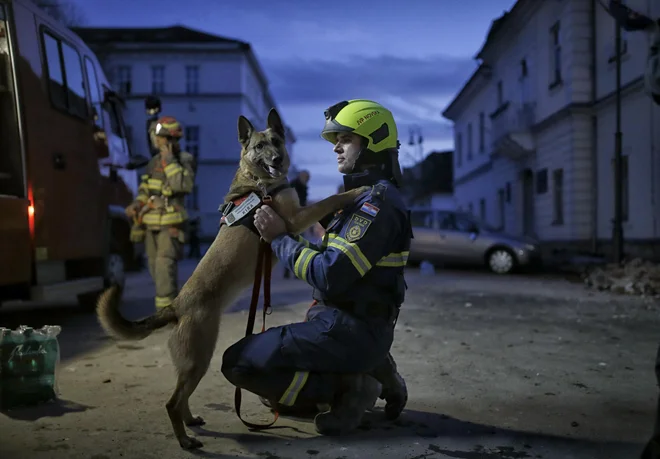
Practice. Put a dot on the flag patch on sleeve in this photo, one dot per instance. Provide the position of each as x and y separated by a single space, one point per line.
369 209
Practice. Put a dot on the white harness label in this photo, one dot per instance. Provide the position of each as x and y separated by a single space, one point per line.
243 209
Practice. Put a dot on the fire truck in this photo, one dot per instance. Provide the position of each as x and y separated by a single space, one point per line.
66 170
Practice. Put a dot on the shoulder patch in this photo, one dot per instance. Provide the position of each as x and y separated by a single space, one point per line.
369 209
357 227
378 190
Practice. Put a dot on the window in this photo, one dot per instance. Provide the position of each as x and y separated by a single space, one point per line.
192 140
523 69
464 224
11 166
65 77
96 97
482 132
124 79
558 197
469 141
157 79
470 208
625 186
542 181
501 207
459 150
128 131
508 191
482 209
56 85
114 113
75 82
500 94
555 55
192 79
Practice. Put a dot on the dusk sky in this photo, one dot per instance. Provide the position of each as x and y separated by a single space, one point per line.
412 56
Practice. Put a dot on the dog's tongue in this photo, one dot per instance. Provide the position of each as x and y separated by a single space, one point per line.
272 171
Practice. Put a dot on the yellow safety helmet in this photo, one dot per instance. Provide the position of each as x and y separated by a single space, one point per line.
366 118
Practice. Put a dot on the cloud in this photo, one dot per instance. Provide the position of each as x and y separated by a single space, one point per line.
313 81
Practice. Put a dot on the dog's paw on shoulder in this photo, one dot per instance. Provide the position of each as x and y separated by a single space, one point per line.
363 189
355 192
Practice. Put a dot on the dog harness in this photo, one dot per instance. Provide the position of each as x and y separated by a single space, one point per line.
240 210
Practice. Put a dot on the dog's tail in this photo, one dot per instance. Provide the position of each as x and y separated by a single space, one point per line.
115 325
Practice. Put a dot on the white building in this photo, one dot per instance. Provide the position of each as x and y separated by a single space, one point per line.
534 129
203 80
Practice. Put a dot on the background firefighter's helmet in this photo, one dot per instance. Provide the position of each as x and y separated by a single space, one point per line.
366 118
168 126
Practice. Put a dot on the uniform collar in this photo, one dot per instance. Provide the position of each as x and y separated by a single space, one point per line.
366 178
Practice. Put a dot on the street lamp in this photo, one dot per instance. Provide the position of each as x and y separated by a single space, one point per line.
417 139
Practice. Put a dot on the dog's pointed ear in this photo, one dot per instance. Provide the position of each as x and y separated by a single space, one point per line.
275 122
245 130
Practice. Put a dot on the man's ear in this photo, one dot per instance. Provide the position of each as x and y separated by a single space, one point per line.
245 130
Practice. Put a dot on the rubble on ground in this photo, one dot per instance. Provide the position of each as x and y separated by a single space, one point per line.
633 277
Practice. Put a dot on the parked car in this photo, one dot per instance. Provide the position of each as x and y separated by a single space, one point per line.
459 238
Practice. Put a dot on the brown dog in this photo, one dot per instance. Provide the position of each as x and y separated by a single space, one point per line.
224 272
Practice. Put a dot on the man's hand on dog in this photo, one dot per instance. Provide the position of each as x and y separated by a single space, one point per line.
268 223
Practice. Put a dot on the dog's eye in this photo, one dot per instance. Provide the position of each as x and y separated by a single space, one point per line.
259 146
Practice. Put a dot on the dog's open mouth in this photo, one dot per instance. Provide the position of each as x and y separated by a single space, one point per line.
274 171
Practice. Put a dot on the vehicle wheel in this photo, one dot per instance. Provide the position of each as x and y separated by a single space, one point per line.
501 261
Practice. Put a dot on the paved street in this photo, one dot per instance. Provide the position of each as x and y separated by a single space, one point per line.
497 367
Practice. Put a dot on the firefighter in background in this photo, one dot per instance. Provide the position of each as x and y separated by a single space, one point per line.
159 207
153 107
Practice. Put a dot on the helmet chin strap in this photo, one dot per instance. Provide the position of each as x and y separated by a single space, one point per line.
356 163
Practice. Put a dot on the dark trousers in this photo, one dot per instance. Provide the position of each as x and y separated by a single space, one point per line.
299 364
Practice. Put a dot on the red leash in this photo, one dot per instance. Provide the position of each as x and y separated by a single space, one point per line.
264 265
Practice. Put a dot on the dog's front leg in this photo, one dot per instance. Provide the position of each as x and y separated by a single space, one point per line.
304 217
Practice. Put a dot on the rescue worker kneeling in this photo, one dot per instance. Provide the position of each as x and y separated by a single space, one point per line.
159 209
340 355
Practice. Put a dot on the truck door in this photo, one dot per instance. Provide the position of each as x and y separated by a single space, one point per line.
15 215
75 205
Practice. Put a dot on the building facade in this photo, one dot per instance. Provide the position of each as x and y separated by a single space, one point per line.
534 129
203 80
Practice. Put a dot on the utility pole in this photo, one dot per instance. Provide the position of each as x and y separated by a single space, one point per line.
617 230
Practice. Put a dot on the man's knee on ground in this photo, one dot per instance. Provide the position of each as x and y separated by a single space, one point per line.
238 375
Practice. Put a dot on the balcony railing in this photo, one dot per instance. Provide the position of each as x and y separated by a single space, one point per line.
511 130
515 118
